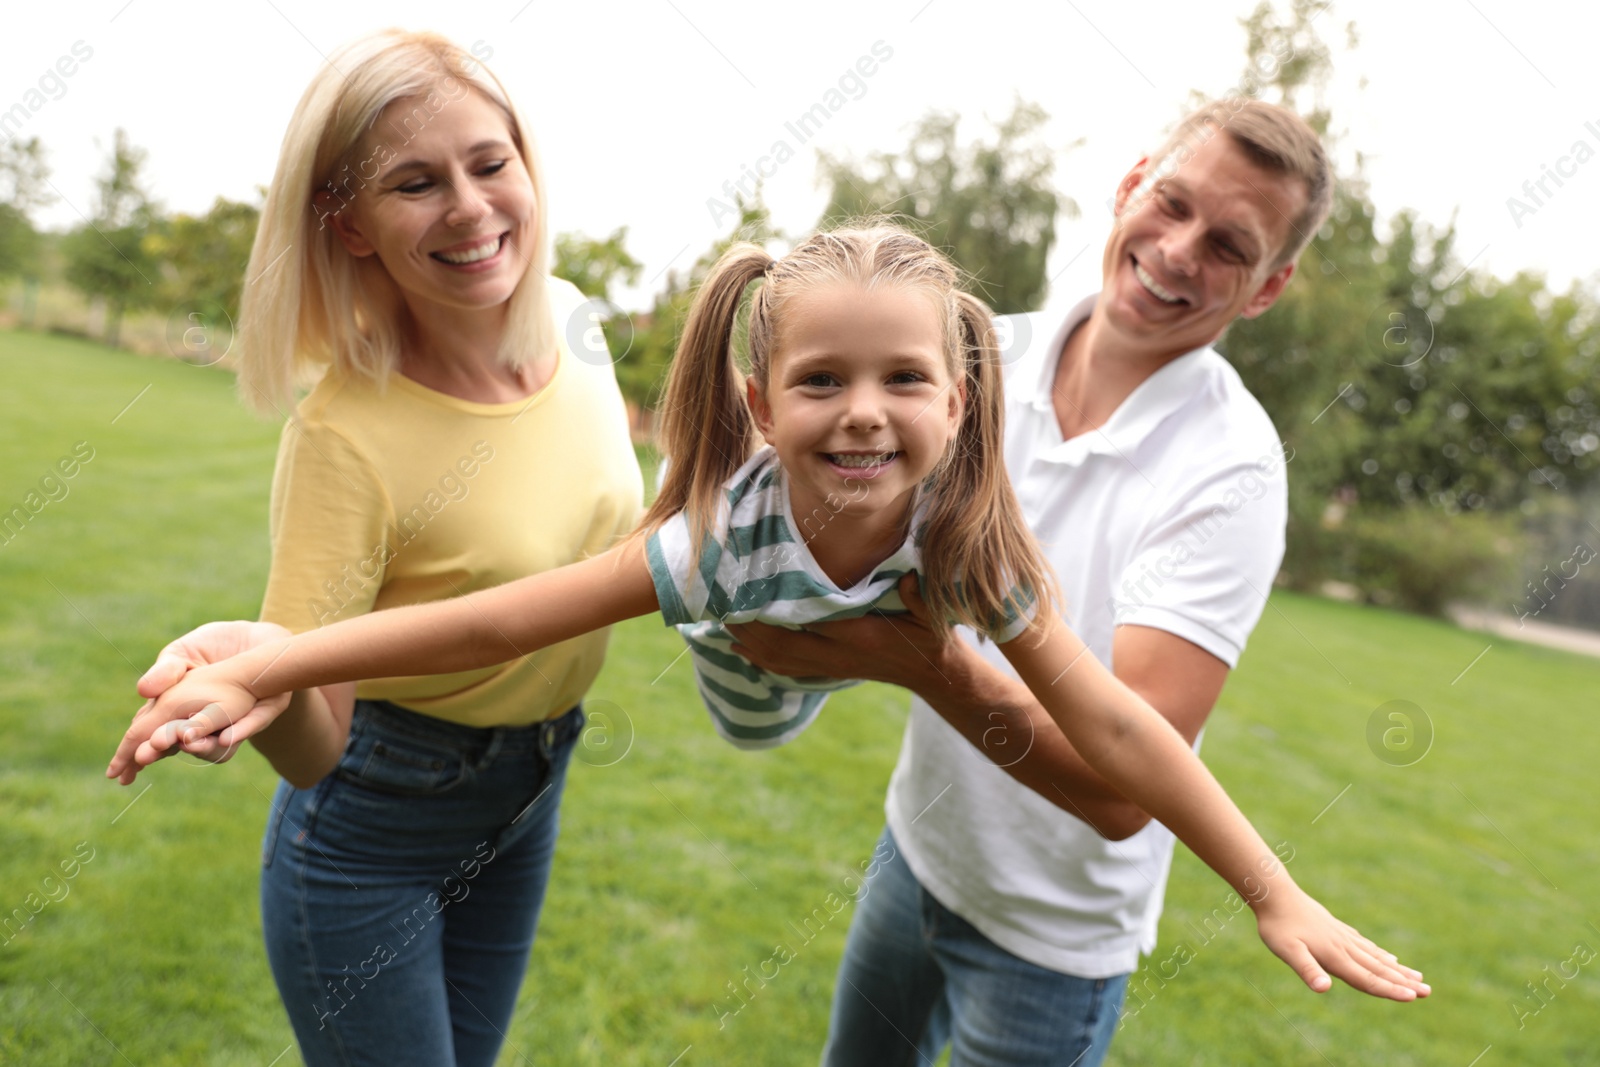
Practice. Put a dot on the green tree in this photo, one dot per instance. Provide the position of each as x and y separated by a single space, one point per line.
109 258
24 186
203 257
990 205
595 265
1430 407
650 339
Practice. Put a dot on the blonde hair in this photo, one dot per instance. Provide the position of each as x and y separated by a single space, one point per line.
980 565
1275 139
308 304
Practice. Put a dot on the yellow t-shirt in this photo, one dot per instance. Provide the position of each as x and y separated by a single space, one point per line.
402 495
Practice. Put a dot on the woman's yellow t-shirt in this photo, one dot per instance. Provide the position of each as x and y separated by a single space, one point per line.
394 495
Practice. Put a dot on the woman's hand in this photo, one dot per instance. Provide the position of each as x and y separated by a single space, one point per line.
211 643
1306 936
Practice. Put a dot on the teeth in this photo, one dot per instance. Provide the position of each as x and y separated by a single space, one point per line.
472 255
1155 286
847 460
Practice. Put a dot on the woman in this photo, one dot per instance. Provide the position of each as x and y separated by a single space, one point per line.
401 259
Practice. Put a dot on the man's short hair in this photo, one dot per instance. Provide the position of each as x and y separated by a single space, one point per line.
1275 139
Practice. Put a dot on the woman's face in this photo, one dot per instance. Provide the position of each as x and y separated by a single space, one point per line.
450 213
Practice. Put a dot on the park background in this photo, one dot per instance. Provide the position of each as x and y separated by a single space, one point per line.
1432 368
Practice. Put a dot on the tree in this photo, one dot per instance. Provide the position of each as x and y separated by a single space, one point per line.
206 255
990 206
1430 408
595 265
24 186
652 340
109 257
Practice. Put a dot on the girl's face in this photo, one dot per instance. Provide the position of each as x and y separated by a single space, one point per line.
451 212
858 394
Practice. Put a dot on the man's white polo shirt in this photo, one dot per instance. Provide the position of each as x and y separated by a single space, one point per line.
1171 516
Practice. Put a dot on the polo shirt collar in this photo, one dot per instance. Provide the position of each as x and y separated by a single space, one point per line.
1154 400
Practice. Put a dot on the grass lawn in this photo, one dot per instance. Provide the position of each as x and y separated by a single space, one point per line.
684 862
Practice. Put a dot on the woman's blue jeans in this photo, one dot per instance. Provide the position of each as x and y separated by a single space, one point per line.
399 895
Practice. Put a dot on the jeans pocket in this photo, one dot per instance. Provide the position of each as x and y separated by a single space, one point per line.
397 763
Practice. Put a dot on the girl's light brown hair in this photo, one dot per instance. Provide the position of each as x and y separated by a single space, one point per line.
980 565
309 304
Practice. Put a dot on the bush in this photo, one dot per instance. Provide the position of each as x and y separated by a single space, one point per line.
1419 558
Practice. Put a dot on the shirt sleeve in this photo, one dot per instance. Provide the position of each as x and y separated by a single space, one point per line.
1014 622
329 522
1205 564
667 553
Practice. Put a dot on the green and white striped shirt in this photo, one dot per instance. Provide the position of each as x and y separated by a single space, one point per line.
755 567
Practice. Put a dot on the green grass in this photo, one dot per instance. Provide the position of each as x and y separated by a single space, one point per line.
685 861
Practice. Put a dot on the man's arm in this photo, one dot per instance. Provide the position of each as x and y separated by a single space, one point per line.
994 711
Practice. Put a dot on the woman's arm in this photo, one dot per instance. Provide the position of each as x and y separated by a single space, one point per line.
1143 756
464 633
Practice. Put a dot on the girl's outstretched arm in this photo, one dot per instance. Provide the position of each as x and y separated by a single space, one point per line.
464 633
1140 753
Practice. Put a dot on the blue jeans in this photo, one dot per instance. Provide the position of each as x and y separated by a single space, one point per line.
400 894
916 977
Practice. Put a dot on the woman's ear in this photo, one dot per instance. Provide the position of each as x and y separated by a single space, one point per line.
760 410
335 212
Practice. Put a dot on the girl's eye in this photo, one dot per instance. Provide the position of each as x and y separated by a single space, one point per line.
818 381
905 377
493 168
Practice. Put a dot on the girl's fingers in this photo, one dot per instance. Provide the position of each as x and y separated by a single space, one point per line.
1400 976
211 749
1299 957
211 719
254 721
1370 974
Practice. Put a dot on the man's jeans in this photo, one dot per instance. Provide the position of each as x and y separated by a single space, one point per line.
916 976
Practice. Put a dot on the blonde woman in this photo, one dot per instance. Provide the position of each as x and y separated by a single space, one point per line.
401 264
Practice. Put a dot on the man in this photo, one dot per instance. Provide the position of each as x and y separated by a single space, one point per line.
1022 887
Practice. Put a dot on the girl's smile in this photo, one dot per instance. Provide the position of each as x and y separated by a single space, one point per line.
859 391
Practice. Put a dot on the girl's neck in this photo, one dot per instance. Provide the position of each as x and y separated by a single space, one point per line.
848 547
456 351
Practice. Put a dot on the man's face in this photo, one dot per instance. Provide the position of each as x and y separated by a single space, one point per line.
1196 249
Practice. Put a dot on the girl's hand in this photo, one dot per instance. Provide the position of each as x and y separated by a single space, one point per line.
1306 936
211 643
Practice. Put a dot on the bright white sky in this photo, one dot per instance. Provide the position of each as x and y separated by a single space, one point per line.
643 109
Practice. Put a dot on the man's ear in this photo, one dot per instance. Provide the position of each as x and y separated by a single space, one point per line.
1131 181
760 410
1269 292
335 212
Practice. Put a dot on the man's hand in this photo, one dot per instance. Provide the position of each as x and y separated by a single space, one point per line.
211 643
902 650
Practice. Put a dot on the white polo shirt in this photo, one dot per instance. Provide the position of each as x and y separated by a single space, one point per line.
1171 516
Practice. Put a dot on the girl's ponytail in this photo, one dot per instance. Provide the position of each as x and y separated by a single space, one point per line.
981 564
706 430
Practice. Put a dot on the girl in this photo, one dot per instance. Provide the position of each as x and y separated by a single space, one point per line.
875 383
